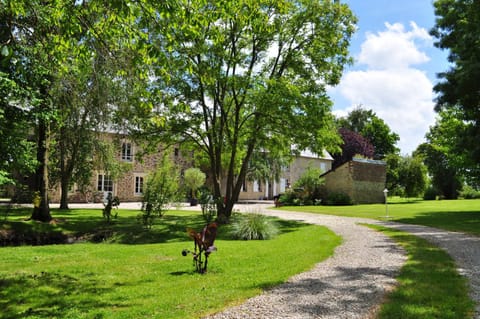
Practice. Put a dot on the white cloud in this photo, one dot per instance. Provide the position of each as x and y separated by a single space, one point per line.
397 92
394 48
402 98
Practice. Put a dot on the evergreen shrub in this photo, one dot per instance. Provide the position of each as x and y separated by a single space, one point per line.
338 199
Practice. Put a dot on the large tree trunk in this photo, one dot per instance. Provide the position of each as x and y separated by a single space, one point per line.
64 192
64 174
233 187
41 209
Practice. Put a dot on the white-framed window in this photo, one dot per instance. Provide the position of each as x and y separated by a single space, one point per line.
127 153
323 167
283 184
139 185
105 183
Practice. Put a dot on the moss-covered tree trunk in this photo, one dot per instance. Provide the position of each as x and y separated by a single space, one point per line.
41 209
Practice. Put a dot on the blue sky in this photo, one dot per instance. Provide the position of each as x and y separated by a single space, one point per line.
395 67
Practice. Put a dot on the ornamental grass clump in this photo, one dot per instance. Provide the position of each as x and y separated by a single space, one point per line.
253 226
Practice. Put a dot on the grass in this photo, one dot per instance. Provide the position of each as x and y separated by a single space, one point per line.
429 286
453 215
141 274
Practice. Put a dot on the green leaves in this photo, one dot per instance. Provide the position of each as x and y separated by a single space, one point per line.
456 28
251 73
229 77
5 51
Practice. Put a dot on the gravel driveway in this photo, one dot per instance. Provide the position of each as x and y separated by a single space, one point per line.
348 285
464 249
353 282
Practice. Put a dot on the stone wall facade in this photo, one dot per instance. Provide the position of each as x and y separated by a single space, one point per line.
128 186
362 180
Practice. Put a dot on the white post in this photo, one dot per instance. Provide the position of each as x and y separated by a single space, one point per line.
385 192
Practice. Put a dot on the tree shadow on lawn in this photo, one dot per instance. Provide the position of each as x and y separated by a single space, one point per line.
51 295
72 226
171 228
8 211
406 202
287 226
468 222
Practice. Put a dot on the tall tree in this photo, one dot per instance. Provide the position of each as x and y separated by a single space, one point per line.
52 49
353 144
446 136
444 177
456 29
244 76
17 155
447 162
412 176
369 125
27 26
96 81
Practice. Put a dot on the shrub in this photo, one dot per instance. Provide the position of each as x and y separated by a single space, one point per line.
289 198
469 192
310 182
308 190
208 205
254 226
161 190
194 178
338 199
430 194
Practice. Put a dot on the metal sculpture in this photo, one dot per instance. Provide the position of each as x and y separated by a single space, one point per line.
203 246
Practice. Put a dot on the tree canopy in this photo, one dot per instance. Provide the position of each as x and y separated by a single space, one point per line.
370 126
412 176
226 78
353 144
60 64
456 28
245 76
406 175
448 164
444 177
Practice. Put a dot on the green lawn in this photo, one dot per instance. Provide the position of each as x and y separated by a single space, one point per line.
141 274
454 215
429 286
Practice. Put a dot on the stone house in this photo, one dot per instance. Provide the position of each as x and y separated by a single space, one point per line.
363 180
129 185
253 190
